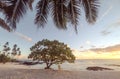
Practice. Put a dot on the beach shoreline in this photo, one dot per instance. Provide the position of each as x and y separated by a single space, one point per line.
16 71
56 74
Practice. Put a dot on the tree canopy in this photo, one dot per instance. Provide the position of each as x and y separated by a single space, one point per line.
51 52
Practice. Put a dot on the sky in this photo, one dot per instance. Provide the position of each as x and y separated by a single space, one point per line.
92 41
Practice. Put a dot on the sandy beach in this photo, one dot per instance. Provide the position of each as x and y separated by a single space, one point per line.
15 71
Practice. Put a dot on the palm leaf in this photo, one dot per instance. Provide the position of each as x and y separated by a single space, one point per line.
59 12
15 11
42 12
91 9
2 5
30 4
4 25
74 12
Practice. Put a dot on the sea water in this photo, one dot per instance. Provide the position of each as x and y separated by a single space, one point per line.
82 64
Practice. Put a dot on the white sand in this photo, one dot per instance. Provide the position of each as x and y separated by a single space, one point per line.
14 71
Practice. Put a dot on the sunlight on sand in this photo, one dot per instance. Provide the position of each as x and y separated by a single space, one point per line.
16 71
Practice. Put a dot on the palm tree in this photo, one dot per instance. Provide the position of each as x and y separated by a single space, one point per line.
62 11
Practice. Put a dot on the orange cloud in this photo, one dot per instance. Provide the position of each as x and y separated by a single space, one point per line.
110 52
93 55
107 49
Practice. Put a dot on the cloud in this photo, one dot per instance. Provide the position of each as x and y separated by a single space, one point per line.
93 46
23 36
111 52
68 45
76 53
105 13
105 32
110 28
109 49
88 42
21 57
81 47
115 24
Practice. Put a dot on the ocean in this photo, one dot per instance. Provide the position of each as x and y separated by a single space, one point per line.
82 64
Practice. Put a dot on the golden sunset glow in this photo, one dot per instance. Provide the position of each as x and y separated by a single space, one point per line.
94 55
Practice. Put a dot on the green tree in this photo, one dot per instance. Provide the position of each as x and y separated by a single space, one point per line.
15 50
62 11
4 54
4 58
51 52
7 54
6 49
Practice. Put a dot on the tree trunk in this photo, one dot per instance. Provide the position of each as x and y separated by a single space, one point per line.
48 66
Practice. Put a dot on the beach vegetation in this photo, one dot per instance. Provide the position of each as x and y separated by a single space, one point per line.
7 54
51 52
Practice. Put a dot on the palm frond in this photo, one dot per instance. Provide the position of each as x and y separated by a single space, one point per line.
74 12
15 11
2 5
4 25
42 12
59 12
91 9
30 4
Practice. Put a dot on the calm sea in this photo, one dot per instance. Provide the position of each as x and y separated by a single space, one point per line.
82 64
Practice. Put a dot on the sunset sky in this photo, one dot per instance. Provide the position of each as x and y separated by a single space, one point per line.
101 40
